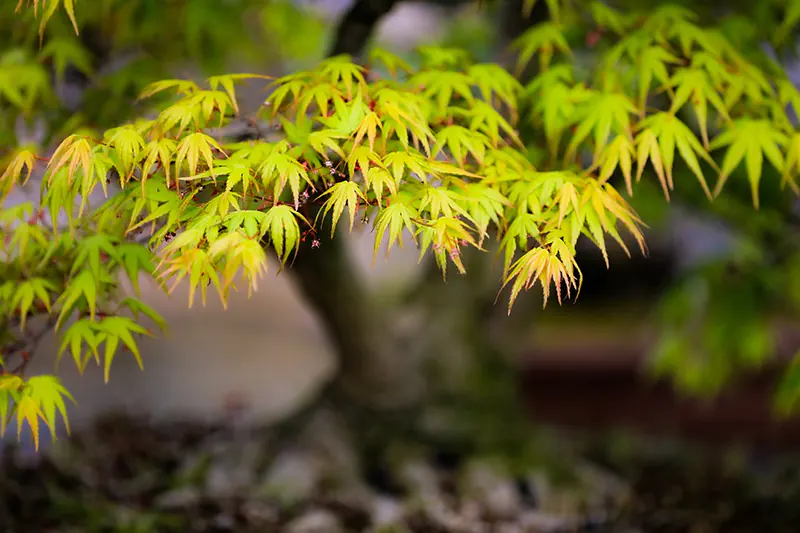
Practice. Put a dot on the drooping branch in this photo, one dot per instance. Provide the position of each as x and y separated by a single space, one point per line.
18 344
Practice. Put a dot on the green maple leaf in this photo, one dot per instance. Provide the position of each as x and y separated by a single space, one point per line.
750 140
280 168
283 229
603 114
114 329
48 393
521 228
557 105
82 332
29 290
690 35
293 85
694 84
441 86
660 135
341 69
461 141
393 63
440 58
252 222
792 165
653 62
344 194
487 120
608 17
399 215
82 287
494 81
91 249
66 51
545 39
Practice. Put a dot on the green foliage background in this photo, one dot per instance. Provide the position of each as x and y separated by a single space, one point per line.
453 152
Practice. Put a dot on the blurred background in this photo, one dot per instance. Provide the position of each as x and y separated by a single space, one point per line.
270 353
602 366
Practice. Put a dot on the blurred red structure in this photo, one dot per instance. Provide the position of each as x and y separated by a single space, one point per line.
605 385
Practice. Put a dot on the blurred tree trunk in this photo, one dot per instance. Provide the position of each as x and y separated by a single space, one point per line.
371 369
357 26
374 369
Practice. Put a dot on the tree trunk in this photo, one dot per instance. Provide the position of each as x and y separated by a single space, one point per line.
371 368
372 371
358 25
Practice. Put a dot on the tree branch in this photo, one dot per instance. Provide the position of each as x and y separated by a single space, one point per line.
25 346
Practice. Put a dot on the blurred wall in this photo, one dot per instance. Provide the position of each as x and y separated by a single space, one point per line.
268 351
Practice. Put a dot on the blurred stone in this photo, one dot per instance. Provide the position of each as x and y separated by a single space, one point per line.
233 468
564 501
387 513
292 478
315 521
329 439
224 522
509 527
490 485
258 512
226 480
420 478
540 522
602 487
193 469
180 498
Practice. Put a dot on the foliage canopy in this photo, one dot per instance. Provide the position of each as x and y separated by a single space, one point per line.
453 152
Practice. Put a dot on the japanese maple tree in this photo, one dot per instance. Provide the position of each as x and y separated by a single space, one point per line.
458 154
